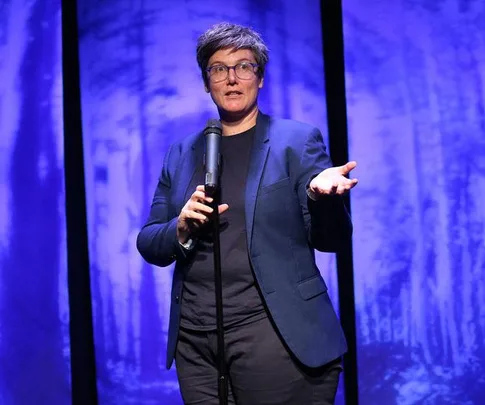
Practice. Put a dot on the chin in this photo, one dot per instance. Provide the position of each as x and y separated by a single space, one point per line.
234 111
234 107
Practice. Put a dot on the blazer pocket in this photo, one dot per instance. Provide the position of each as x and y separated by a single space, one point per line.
312 287
274 186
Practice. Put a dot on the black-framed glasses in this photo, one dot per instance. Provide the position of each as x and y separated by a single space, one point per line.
243 70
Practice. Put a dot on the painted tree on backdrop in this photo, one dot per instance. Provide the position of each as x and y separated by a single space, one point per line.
32 338
151 353
126 69
422 314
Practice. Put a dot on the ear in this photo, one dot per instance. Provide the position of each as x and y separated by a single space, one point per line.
206 87
261 83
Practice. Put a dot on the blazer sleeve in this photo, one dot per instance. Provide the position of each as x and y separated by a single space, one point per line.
157 241
327 220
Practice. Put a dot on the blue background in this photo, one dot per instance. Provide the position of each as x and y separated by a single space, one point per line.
34 313
415 85
415 89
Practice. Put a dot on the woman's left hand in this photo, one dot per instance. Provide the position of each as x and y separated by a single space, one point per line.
332 181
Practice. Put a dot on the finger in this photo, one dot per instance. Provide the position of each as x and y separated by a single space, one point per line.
353 182
346 187
188 214
199 207
199 195
342 189
223 208
348 184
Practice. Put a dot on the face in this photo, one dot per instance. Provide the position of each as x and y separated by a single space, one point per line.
234 98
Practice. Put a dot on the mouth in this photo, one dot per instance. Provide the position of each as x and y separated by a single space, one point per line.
233 93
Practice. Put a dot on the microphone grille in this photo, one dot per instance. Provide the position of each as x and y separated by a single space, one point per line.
213 125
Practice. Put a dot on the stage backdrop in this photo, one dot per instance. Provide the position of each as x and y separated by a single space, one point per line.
415 81
141 91
34 340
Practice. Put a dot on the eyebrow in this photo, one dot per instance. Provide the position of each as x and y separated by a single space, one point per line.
217 62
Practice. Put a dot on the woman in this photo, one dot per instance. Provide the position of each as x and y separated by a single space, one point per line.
281 200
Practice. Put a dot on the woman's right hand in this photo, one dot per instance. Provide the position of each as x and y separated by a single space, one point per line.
195 213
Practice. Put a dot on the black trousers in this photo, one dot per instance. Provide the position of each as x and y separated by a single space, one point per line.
261 370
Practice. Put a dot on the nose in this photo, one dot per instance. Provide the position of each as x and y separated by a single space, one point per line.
231 75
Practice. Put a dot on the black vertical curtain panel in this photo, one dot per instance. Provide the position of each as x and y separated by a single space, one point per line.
83 368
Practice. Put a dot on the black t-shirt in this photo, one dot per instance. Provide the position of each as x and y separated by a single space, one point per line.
241 298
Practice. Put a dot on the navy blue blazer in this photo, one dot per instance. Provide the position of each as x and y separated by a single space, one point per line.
283 228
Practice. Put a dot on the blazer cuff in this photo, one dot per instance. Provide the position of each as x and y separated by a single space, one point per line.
311 195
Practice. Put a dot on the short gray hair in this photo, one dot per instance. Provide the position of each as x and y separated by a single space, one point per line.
226 35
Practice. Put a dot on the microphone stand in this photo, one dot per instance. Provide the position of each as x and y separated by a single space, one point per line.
222 383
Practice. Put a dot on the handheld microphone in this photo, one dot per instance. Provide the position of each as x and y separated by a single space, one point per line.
212 157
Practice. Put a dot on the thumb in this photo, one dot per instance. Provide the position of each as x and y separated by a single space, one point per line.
348 167
223 208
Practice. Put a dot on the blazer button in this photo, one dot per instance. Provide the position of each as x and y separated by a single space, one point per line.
177 299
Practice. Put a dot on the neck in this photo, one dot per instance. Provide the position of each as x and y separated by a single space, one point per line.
232 126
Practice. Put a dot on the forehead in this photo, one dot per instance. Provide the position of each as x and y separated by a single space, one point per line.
230 56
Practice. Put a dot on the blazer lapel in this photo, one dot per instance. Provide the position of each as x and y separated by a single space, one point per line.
259 154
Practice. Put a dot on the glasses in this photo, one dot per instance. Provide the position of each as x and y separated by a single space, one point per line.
243 70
